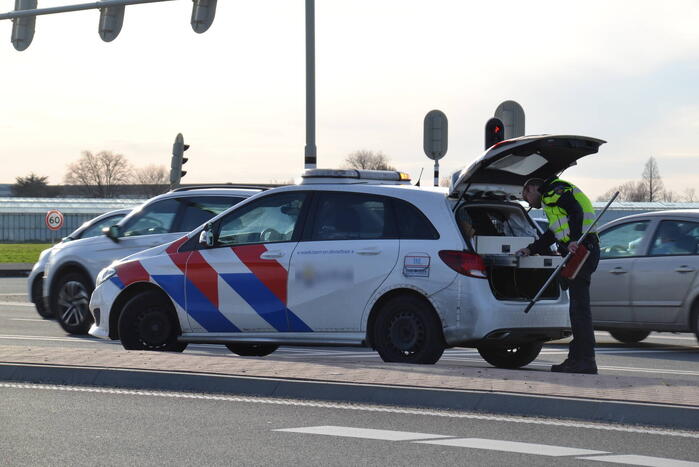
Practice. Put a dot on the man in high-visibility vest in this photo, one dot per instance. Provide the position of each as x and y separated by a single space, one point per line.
569 212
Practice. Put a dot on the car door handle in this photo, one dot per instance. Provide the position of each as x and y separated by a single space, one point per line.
272 254
618 270
685 269
368 251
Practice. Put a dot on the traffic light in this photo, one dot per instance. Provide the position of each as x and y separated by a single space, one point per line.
178 160
23 27
203 12
494 132
111 20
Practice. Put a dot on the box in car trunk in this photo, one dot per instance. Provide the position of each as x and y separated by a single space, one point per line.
487 245
514 277
500 230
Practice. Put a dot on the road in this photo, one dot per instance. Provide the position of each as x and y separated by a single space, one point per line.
672 355
44 425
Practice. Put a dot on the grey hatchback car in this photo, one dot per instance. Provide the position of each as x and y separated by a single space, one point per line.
647 275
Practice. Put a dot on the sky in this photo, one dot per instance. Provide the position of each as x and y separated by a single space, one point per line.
623 71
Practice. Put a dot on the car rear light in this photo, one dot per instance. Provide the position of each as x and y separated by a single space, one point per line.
468 264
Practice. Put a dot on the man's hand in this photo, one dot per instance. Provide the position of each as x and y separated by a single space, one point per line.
572 246
523 252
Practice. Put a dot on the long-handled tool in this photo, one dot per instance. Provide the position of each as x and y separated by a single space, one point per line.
568 256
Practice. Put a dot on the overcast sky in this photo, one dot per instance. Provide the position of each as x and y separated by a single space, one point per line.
623 71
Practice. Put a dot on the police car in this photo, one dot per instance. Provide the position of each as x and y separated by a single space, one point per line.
359 258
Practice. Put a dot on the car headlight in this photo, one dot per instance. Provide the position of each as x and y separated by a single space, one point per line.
105 274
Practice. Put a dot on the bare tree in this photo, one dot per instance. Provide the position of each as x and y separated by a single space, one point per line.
651 181
690 195
33 185
99 173
154 178
368 160
629 191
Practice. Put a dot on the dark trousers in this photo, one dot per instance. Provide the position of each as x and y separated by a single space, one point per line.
582 347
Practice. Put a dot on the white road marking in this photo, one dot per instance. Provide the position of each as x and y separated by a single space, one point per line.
365 433
641 460
13 294
361 407
513 446
16 304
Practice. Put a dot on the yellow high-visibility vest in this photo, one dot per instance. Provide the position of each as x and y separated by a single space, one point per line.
558 217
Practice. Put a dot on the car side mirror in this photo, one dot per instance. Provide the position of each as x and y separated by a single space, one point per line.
113 232
206 237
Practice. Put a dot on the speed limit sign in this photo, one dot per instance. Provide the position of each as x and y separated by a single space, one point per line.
54 219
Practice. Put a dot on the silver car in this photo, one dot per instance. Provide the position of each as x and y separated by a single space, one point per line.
647 275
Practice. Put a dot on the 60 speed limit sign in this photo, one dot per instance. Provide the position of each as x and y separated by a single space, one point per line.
54 219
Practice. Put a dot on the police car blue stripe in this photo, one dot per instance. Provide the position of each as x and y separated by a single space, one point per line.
115 280
200 309
296 324
172 285
265 303
204 312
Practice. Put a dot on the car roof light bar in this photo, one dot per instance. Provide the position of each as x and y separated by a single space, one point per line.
357 174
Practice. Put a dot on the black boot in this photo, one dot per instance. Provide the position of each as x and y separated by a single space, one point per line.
587 367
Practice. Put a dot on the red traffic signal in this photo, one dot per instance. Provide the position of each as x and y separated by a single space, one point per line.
494 132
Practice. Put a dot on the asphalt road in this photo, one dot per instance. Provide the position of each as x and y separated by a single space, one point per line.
52 425
668 354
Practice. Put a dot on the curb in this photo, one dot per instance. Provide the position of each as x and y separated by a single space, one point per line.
15 269
680 417
14 272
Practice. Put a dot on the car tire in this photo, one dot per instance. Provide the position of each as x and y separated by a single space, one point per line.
38 299
407 330
252 350
629 336
695 319
148 322
510 356
70 303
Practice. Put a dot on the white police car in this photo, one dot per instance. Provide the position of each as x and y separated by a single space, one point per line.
355 258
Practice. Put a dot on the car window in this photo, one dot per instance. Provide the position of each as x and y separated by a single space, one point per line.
267 220
153 219
352 216
412 223
623 240
96 228
200 209
675 238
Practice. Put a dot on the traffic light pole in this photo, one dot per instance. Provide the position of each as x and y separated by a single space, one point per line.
310 150
69 8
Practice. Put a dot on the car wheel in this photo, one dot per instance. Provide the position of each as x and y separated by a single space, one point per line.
70 302
148 322
695 319
38 299
407 330
510 356
629 336
252 350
